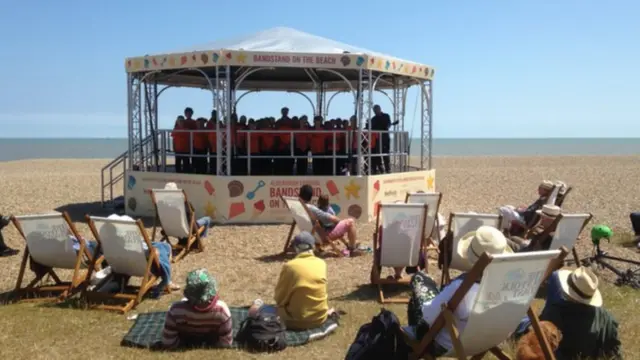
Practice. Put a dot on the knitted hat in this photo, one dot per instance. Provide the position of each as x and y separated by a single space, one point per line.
201 288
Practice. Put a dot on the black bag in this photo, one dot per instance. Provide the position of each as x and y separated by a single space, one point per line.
265 333
379 339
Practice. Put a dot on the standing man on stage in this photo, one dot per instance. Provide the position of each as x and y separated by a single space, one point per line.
382 122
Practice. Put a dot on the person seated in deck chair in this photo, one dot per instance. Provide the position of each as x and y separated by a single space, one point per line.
204 221
574 306
635 224
426 301
162 250
334 227
4 249
523 215
539 238
201 318
301 292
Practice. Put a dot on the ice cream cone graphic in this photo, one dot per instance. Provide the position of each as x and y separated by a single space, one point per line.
258 209
255 214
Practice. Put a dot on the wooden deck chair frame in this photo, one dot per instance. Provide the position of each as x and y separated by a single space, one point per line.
446 318
194 238
317 229
448 248
376 268
560 199
130 301
553 226
63 289
431 245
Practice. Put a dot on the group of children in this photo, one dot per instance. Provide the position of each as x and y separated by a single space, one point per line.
331 145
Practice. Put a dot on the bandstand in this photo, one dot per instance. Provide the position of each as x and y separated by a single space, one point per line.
278 59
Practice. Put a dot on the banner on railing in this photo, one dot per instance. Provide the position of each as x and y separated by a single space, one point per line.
254 199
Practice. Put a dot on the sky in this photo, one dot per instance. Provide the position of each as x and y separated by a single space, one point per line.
504 69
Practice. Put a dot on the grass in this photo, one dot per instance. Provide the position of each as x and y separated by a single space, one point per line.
241 258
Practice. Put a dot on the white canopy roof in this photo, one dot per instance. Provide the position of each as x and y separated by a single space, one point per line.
279 48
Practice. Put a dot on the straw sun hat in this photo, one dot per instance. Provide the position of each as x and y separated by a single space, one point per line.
549 211
486 239
581 285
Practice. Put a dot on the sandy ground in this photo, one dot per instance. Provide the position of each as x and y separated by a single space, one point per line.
245 264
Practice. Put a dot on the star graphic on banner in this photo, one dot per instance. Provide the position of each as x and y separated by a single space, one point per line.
430 182
241 58
352 189
210 210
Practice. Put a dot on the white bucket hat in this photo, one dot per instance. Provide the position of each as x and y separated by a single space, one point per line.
549 211
171 186
486 239
581 285
547 184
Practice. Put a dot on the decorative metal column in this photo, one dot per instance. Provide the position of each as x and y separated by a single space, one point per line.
426 128
365 107
134 118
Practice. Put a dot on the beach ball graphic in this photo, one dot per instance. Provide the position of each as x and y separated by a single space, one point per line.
131 183
336 208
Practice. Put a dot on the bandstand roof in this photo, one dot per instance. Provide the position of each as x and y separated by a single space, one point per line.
287 52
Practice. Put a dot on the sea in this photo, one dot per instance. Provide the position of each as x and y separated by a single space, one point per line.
76 148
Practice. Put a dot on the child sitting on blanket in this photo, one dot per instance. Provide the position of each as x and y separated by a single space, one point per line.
201 319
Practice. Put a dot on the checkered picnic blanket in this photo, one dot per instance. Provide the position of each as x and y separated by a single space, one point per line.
146 332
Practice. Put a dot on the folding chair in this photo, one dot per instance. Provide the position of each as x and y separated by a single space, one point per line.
172 216
508 284
432 199
561 197
567 231
459 225
122 246
399 241
306 221
49 246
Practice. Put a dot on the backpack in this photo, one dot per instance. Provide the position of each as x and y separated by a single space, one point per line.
264 333
379 339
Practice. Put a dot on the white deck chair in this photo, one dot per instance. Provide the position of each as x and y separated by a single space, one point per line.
49 244
459 225
567 231
305 221
398 241
171 213
432 199
554 195
507 287
125 246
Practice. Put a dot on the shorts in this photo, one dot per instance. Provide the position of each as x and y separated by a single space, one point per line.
340 229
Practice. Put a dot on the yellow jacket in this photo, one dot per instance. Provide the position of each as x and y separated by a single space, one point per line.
301 292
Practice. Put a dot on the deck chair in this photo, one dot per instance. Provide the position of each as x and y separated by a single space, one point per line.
507 287
306 221
459 225
562 197
567 231
172 216
48 244
398 241
432 199
122 242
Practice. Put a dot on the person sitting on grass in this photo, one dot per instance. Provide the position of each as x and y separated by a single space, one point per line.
161 249
204 221
4 249
201 318
301 292
334 227
541 235
574 306
426 302
514 217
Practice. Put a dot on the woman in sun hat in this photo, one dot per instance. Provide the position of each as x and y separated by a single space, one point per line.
514 217
426 301
574 306
201 318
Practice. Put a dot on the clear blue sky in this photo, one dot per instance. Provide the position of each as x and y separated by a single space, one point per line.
504 68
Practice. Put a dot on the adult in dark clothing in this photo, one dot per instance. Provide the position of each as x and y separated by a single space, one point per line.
513 218
574 306
635 223
540 236
382 122
4 249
